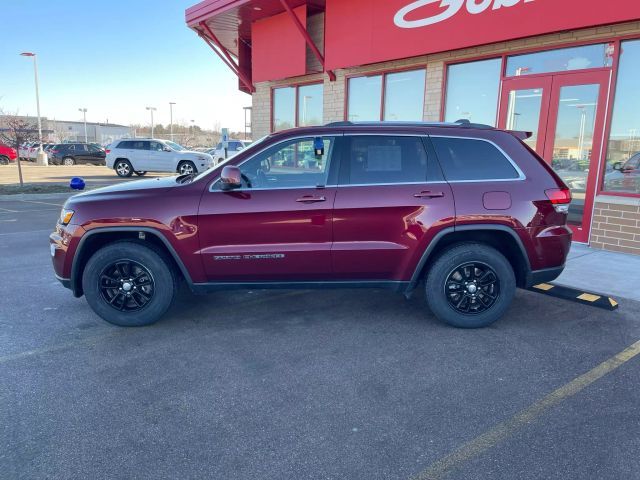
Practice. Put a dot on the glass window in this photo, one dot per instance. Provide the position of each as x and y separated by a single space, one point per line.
284 108
472 91
140 145
365 98
621 169
404 96
561 60
470 159
156 146
378 159
292 164
125 145
310 105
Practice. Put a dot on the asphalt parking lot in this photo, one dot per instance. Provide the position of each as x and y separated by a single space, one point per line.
305 384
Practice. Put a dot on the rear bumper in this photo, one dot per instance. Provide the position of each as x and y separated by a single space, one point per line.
536 277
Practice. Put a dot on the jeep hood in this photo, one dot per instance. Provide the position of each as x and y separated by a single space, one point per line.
130 187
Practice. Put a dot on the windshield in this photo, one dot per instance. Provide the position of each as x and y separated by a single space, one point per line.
175 146
249 149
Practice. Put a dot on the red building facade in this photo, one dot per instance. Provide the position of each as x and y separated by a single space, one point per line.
565 70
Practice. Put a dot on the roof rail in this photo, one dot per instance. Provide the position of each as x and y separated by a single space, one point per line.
464 123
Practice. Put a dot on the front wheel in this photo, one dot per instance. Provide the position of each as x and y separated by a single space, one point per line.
470 285
187 168
123 168
129 284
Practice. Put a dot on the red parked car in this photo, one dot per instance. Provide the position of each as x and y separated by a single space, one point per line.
7 154
466 210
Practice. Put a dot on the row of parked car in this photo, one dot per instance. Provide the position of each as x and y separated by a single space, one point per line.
129 156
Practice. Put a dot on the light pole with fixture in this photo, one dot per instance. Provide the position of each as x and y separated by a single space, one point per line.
84 114
171 104
42 157
151 109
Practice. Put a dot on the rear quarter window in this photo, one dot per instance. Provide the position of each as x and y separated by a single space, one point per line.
469 159
124 145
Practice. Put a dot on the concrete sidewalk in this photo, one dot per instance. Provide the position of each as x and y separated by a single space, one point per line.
599 271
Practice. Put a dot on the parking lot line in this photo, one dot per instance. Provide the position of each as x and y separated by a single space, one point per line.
43 203
446 465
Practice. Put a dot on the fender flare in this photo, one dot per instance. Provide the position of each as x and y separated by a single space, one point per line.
415 278
75 265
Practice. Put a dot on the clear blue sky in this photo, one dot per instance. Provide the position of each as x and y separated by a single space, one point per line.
114 57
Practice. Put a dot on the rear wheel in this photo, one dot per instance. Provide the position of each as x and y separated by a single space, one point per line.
129 284
4 160
123 168
186 168
470 285
68 161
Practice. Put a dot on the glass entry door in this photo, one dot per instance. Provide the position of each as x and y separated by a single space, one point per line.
566 115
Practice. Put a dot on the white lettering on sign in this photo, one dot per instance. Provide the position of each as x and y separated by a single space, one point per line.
474 7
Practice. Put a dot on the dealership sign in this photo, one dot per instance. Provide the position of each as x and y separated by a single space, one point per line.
359 32
451 8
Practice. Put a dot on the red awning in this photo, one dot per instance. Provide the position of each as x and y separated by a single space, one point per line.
226 25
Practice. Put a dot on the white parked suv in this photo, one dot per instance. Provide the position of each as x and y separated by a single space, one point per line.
142 155
235 147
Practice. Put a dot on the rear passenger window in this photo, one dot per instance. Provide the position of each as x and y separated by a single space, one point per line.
125 145
378 159
468 159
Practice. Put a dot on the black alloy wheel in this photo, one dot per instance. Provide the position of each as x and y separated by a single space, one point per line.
472 288
126 285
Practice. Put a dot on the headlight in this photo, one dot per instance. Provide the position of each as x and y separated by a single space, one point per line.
65 216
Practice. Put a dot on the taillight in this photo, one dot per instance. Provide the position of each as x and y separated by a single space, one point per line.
560 199
107 151
53 151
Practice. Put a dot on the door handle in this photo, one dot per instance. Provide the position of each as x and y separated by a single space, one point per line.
311 199
429 194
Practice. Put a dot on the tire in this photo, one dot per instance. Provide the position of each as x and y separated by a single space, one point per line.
150 294
4 160
186 167
455 270
140 173
123 168
68 161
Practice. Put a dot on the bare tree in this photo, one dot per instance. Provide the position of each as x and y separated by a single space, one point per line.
14 131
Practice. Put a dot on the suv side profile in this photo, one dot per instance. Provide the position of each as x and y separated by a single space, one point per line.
466 210
142 155
76 153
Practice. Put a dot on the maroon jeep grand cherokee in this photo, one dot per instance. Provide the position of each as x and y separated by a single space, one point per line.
468 210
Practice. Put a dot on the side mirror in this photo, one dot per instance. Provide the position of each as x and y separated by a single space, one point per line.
617 166
230 178
166 149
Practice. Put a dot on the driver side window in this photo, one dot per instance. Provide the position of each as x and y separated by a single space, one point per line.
293 164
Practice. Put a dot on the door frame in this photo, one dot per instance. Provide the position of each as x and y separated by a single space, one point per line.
551 85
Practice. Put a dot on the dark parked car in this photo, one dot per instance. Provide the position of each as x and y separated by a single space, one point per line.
466 210
76 153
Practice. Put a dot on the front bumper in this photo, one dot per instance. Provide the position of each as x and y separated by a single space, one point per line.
63 242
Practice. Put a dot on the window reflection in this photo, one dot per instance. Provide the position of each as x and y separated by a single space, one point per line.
622 168
310 105
284 108
561 60
472 91
404 96
365 97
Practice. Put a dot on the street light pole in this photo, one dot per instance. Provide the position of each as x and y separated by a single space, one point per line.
151 109
35 73
84 114
171 104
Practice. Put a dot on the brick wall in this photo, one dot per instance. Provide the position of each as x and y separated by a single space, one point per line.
616 224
